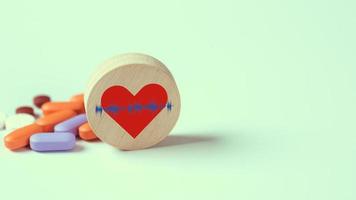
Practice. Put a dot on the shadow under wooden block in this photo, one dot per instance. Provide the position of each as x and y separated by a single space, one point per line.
174 140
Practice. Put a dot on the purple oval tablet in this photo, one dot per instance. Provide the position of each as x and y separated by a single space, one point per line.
52 141
71 125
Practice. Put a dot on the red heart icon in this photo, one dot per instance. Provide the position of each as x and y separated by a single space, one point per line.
134 112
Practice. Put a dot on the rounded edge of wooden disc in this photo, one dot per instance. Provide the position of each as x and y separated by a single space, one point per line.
127 60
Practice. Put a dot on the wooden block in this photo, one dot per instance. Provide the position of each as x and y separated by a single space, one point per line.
132 101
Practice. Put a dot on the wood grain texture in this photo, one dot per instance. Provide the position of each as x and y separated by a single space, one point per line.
132 71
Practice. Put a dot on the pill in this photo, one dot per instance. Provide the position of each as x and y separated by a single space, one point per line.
52 141
71 125
25 109
51 107
18 120
48 122
86 133
40 100
77 98
20 137
2 120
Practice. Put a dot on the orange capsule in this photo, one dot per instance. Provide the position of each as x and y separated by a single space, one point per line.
51 107
48 122
77 98
86 133
20 137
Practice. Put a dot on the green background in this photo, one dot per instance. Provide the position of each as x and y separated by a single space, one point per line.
267 88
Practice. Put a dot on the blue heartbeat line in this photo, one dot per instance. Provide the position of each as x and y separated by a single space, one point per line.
134 108
169 106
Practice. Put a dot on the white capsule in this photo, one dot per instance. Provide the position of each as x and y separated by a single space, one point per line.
18 121
2 120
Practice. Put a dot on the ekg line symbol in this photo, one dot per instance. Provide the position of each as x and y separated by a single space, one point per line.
133 108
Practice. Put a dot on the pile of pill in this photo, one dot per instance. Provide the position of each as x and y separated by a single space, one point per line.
55 130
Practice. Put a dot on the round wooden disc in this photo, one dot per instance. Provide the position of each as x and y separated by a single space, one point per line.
132 101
